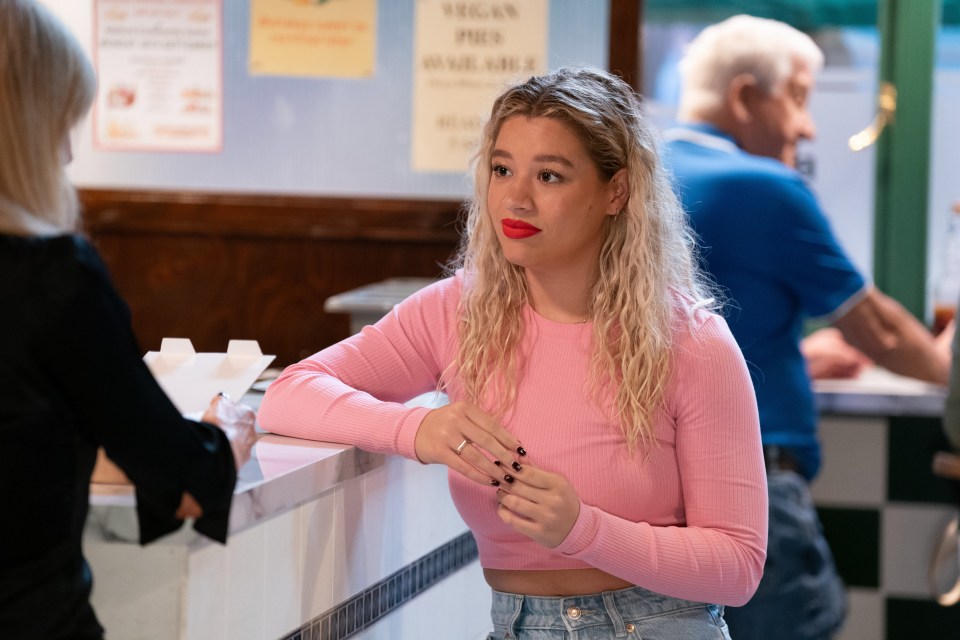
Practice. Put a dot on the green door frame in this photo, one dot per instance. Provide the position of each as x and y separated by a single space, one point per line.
908 31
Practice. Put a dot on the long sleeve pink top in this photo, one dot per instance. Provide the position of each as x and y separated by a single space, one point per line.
689 520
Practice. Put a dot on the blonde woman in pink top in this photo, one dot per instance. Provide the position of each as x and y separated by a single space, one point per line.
602 435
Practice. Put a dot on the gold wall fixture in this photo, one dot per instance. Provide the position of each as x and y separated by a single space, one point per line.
886 112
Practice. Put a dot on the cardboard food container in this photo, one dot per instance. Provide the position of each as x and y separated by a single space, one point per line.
191 380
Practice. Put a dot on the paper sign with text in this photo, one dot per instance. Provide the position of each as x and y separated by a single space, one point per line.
464 54
160 76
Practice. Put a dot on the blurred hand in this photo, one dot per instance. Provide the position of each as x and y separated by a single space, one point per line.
443 432
828 355
541 505
189 508
237 421
944 339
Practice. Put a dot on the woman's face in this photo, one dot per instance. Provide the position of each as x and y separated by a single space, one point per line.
547 199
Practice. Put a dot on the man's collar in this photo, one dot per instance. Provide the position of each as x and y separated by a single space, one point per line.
703 134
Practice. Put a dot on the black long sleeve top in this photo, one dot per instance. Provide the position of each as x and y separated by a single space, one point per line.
72 379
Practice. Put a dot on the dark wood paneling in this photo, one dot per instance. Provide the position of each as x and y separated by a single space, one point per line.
215 267
625 41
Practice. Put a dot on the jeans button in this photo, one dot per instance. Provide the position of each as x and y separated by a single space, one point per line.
573 613
630 627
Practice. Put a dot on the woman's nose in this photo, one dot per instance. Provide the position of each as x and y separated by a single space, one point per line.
517 196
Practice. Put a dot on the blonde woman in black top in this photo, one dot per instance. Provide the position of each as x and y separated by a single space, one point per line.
71 374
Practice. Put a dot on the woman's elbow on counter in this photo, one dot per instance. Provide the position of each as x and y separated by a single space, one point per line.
270 415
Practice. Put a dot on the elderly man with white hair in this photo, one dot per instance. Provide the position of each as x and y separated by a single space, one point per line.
744 107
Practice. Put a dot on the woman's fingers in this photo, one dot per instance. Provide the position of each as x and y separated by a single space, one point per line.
484 431
536 503
238 421
497 472
476 471
465 438
540 505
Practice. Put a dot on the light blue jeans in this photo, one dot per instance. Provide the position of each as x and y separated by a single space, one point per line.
633 613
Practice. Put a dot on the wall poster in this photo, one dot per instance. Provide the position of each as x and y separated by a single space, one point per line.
313 38
464 53
160 72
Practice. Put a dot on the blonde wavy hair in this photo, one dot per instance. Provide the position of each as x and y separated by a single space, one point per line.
646 258
47 84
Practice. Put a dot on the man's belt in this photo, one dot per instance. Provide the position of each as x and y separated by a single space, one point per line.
777 458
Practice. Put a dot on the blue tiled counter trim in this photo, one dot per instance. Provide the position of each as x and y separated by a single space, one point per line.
375 602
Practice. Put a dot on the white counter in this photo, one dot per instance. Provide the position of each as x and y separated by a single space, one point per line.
322 534
324 539
879 392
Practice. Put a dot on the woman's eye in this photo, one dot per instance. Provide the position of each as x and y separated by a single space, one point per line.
548 176
500 171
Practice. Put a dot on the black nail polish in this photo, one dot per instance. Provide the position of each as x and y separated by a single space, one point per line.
521 451
496 462
495 483
508 478
516 466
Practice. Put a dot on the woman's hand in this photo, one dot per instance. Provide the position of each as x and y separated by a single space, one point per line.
189 508
465 438
237 421
541 505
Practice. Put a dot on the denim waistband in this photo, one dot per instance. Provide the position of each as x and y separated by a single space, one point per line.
512 611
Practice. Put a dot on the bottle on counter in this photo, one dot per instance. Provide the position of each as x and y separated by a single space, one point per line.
946 291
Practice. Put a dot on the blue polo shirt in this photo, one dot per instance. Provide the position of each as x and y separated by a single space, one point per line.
767 243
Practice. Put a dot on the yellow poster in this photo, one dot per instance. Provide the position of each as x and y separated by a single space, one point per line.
464 53
313 38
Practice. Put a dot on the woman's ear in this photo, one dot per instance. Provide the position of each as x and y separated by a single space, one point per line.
619 192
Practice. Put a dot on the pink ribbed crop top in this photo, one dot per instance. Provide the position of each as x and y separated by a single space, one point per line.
688 521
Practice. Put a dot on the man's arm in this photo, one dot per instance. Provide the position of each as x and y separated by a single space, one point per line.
879 326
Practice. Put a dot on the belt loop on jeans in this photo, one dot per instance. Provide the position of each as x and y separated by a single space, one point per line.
611 606
510 631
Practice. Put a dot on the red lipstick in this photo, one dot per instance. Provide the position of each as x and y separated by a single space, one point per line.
518 229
